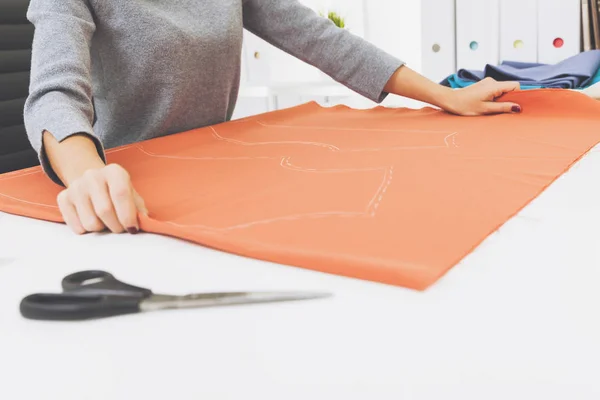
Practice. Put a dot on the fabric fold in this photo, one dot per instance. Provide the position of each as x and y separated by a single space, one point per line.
577 72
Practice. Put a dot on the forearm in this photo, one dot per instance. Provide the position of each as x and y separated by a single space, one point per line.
299 31
408 83
71 157
60 90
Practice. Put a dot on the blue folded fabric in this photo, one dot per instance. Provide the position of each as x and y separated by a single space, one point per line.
577 72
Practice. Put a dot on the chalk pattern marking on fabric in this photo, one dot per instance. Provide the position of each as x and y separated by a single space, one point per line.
377 198
148 153
451 135
28 202
19 174
371 209
242 143
329 128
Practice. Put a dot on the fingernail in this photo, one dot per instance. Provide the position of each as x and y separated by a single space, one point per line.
516 109
132 230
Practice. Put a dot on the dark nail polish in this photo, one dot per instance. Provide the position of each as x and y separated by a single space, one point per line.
516 109
132 230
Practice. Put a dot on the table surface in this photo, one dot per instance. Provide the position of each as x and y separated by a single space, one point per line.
516 319
328 88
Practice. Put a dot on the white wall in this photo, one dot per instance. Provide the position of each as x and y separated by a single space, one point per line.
395 26
285 68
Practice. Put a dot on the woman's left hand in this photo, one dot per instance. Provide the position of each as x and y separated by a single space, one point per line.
481 98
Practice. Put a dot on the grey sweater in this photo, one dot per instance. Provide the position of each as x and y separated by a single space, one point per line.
122 71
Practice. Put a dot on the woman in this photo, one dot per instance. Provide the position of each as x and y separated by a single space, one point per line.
111 72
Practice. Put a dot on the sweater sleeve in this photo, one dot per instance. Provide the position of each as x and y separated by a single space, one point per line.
60 90
299 31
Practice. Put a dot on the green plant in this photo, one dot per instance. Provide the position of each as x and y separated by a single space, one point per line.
337 19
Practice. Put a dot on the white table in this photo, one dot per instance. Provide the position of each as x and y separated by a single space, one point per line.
517 319
299 93
330 91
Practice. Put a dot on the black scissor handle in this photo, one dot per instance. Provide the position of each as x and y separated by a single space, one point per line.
101 283
76 306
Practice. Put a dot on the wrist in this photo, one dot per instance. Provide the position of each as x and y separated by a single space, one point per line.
72 157
77 166
445 98
406 82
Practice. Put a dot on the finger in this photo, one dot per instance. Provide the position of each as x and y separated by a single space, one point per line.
501 108
103 205
69 214
121 193
511 86
79 197
140 204
505 87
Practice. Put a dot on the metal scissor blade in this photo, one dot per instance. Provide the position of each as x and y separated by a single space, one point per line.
283 296
162 302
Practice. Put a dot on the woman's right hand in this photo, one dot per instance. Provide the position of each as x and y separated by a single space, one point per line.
98 196
101 199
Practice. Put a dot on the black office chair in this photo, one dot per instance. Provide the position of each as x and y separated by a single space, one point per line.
16 37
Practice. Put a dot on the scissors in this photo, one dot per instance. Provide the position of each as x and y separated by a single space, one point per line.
98 294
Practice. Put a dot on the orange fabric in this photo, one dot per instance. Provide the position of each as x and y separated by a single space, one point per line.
396 196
